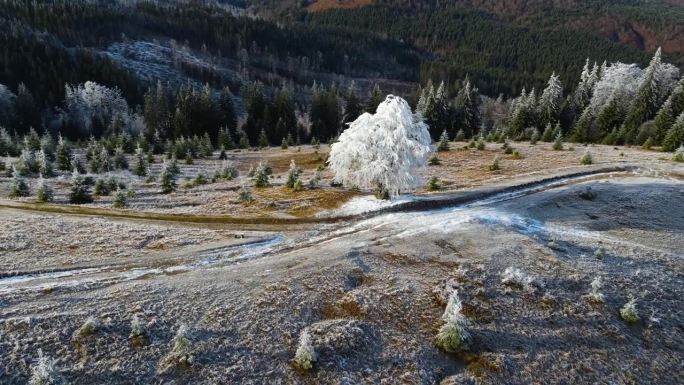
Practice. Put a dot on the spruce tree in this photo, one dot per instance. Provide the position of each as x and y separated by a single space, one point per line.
263 140
44 193
352 108
550 101
374 99
120 161
120 199
45 166
646 101
467 107
675 135
80 190
260 178
443 142
167 179
673 106
18 186
139 162
558 143
292 174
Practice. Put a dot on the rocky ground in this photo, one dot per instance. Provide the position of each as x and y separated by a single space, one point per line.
370 292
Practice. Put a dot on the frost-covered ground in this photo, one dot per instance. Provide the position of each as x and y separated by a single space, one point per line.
372 292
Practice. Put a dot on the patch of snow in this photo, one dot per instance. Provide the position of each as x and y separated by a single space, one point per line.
364 204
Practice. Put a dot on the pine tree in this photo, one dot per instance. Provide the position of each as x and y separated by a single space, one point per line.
244 195
467 106
45 166
120 199
243 139
352 108
374 99
260 178
443 142
646 101
547 135
292 174
167 179
80 190
18 186
550 101
673 106
283 144
120 161
44 193
139 162
263 140
675 135
101 188
558 143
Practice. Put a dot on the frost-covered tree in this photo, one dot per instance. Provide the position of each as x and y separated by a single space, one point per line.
386 150
452 334
675 135
63 155
120 161
120 199
467 105
673 106
443 144
305 356
44 193
18 186
550 101
45 372
139 162
167 179
80 190
92 107
292 174
44 165
260 177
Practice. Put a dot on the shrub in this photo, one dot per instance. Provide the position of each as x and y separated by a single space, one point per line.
679 154
45 372
452 334
433 184
495 164
515 277
516 154
244 195
460 136
88 328
315 181
595 294
45 193
101 188
586 159
120 199
138 328
182 353
629 312
283 144
200 180
305 356
480 145
587 193
298 186
434 160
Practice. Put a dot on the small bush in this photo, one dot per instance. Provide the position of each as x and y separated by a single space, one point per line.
45 372
495 164
587 194
558 143
679 154
101 188
586 159
433 184
305 356
89 327
452 334
260 178
200 180
515 277
595 295
138 328
297 186
629 312
516 154
244 195
480 145
182 353
120 199
443 144
18 186
434 160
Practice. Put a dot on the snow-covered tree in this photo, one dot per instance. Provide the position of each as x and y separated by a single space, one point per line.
18 186
139 162
93 107
260 177
673 106
79 190
386 150
305 356
44 193
453 333
292 174
44 165
63 155
550 101
675 135
443 144
167 178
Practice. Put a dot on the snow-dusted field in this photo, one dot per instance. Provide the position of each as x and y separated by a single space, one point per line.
371 291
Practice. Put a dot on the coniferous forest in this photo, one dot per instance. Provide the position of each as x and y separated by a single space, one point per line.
248 73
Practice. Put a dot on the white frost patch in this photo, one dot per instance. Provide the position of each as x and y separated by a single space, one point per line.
364 204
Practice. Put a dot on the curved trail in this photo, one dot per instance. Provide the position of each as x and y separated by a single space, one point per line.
445 210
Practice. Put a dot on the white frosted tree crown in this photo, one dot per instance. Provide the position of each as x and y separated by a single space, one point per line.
386 150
